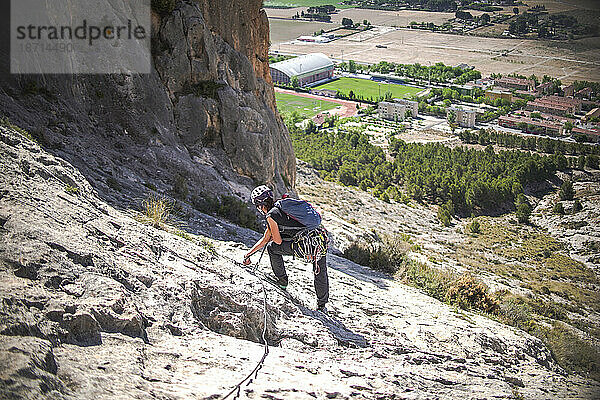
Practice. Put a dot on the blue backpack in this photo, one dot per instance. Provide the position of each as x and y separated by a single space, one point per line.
301 211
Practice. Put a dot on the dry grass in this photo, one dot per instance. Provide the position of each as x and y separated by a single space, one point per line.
159 211
536 259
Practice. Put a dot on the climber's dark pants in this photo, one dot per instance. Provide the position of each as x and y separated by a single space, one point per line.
276 253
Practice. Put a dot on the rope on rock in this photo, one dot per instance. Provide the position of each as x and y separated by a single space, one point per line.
237 388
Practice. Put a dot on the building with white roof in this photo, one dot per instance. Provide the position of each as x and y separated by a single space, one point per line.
309 68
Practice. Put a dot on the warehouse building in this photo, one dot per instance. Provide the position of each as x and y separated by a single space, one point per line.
309 69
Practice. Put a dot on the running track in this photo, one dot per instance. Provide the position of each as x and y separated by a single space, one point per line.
348 108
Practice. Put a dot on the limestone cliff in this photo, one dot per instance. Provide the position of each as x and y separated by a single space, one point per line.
204 116
96 305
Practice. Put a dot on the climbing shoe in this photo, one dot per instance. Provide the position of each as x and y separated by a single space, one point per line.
322 309
280 283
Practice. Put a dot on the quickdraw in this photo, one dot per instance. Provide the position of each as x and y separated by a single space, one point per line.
311 245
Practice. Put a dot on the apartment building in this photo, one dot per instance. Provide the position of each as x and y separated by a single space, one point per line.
532 125
391 110
464 117
498 94
413 106
510 82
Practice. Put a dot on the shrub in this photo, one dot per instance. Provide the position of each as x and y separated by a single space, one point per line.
386 256
159 212
592 161
180 189
523 213
523 209
5 122
238 212
163 7
113 184
433 281
558 209
577 206
474 226
72 190
570 351
515 312
566 191
228 207
444 213
469 293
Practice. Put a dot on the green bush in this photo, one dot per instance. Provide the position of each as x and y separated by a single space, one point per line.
558 209
469 293
5 122
517 313
228 207
386 256
475 226
180 189
163 7
445 212
569 350
74 190
238 212
433 281
523 209
566 191
577 206
592 161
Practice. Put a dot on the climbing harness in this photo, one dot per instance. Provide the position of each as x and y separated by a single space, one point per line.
237 389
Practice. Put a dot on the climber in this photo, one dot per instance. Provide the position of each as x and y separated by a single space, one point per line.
286 235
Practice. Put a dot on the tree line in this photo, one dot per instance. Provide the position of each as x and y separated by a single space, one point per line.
463 180
438 72
533 143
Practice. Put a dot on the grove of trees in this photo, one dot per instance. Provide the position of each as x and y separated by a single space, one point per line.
463 180
533 143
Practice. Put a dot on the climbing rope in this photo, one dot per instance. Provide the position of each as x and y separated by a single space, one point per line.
238 388
311 245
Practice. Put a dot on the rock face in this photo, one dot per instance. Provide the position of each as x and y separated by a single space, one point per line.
96 305
205 116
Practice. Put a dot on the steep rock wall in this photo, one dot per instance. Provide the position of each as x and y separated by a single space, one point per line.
204 116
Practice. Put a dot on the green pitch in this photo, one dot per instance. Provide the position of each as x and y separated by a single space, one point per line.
309 107
368 88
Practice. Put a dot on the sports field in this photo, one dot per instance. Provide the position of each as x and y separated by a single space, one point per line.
308 107
368 88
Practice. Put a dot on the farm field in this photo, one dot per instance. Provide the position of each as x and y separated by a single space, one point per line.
286 30
375 17
302 3
308 107
566 61
392 18
368 88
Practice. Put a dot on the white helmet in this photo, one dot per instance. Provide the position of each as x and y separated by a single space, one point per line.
260 194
